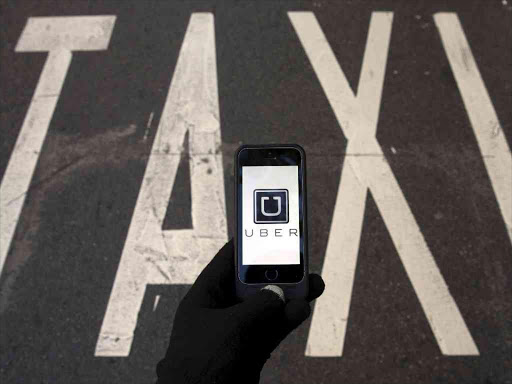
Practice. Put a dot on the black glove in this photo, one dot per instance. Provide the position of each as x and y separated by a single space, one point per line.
217 339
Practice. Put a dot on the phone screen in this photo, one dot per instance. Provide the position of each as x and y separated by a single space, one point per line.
270 215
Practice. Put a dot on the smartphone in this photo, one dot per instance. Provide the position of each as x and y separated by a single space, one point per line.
271 242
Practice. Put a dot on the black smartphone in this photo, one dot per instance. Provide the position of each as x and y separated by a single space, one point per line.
271 242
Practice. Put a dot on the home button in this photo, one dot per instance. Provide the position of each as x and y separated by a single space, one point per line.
271 274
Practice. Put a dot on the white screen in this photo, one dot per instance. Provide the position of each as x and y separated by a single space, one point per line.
270 215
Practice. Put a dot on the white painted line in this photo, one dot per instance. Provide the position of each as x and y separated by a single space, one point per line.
151 255
340 262
482 115
72 33
155 304
329 321
357 117
148 126
52 34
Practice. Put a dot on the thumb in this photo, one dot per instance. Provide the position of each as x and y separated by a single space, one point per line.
295 313
260 310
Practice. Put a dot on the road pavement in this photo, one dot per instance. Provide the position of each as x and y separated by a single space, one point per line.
119 121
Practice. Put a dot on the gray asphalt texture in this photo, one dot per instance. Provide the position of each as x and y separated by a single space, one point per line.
60 270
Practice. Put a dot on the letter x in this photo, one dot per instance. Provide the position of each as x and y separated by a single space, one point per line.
357 117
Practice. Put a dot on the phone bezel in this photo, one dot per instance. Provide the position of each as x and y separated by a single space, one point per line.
258 156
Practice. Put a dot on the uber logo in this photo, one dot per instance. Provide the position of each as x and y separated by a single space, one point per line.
270 206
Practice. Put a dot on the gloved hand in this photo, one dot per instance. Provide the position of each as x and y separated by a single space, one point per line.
217 339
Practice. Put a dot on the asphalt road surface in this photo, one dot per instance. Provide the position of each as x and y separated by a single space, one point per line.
119 121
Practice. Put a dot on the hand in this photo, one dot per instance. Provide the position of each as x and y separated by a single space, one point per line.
217 339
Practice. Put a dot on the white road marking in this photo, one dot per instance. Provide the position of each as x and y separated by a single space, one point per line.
357 117
58 36
148 126
155 304
151 255
481 112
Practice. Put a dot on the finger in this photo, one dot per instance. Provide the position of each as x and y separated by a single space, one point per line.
214 287
261 311
296 311
294 314
316 287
